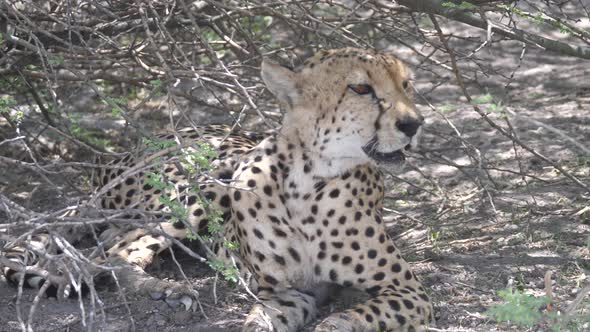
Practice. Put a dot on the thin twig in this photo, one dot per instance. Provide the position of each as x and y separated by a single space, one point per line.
490 121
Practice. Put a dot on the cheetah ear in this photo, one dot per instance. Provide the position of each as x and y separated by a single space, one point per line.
281 81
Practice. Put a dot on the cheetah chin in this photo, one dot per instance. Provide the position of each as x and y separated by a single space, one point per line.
394 157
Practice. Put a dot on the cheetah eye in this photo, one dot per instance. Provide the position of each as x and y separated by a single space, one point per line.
405 84
361 89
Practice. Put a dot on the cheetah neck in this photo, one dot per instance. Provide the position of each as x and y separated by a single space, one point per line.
314 161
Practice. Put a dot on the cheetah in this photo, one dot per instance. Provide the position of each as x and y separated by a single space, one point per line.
303 203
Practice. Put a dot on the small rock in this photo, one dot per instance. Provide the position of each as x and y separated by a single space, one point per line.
512 227
182 317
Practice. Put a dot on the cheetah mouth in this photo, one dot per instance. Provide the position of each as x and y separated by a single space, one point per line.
389 157
370 149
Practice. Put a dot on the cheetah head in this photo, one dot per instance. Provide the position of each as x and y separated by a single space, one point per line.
351 106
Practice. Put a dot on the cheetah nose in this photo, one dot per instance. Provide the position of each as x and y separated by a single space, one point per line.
409 125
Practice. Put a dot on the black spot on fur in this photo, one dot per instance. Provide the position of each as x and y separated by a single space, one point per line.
268 190
394 305
294 254
375 310
225 201
372 253
333 275
279 259
278 232
400 319
408 275
258 234
359 269
154 247
191 200
179 225
408 304
271 280
379 276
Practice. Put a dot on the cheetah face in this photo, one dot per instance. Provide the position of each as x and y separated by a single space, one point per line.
351 105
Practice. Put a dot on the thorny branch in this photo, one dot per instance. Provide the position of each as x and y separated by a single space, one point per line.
492 124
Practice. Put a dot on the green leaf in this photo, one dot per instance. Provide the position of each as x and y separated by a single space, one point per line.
464 5
156 83
484 99
446 109
6 102
56 60
521 309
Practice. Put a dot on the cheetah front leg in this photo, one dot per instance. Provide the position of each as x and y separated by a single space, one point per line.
279 309
133 254
388 311
287 310
398 303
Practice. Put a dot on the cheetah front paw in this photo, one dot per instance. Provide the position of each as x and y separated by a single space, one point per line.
258 321
337 323
175 294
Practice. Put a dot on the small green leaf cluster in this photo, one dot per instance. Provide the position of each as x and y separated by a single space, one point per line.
434 236
447 108
81 133
7 103
173 206
157 145
117 104
156 83
194 163
230 274
483 99
464 5
538 19
525 310
492 105
56 60
199 160
257 26
521 309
